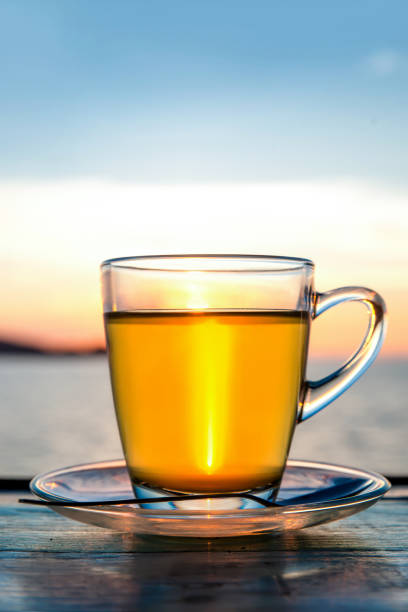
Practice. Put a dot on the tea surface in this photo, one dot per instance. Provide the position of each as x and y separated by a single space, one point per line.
206 401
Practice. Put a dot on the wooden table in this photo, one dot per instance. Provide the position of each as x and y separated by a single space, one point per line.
49 563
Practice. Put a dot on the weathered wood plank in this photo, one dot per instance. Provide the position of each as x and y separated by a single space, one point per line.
232 581
50 563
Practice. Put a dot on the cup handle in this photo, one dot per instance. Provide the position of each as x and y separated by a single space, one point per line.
319 393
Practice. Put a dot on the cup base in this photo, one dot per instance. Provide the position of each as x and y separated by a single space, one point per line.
213 502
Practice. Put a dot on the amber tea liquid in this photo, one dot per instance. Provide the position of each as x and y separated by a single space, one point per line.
207 401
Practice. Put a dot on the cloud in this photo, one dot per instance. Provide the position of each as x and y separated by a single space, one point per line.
384 62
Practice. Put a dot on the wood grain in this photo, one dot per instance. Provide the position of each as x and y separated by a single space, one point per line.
48 563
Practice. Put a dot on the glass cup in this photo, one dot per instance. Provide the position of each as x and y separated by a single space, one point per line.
207 357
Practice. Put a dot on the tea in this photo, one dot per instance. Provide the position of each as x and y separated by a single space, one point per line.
206 401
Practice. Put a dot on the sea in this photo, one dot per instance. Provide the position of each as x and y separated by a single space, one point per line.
57 411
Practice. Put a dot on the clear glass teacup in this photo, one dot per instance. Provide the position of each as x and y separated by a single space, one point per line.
208 356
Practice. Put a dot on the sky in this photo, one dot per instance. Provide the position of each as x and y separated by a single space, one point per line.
219 126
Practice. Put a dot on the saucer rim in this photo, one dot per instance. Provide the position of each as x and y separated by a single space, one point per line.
375 490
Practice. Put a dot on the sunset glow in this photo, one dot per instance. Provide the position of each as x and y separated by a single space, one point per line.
56 234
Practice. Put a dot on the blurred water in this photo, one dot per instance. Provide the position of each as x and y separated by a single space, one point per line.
57 411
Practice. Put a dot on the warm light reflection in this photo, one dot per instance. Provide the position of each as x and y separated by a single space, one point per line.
51 485
196 302
196 299
210 441
210 417
210 401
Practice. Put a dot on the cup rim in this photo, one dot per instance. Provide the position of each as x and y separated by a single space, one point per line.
250 262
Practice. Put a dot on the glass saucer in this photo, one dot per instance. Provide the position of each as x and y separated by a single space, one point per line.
311 493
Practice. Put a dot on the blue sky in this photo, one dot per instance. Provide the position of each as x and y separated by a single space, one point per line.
155 126
181 91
